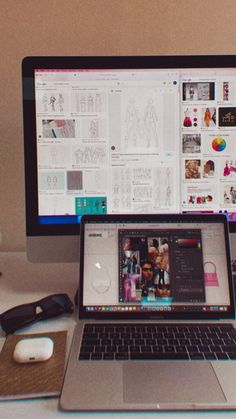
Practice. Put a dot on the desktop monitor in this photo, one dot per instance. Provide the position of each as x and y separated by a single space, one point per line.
131 134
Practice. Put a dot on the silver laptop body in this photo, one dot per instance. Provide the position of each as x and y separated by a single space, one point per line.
187 258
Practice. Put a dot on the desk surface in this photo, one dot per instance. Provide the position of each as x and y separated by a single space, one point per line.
22 282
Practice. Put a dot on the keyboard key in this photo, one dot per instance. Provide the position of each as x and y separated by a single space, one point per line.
221 355
122 356
96 356
146 349
123 348
229 348
108 356
89 341
196 355
84 356
209 356
134 348
99 349
180 348
111 348
157 349
87 348
192 348
159 356
203 348
169 349
206 341
215 348
184 342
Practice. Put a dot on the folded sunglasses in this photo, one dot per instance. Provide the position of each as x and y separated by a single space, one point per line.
25 314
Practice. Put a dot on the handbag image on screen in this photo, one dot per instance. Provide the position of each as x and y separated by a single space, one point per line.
210 275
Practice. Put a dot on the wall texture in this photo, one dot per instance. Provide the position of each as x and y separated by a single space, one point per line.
90 27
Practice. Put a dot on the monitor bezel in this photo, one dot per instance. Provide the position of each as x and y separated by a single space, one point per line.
31 63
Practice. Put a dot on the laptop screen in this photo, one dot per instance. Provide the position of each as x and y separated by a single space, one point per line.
162 265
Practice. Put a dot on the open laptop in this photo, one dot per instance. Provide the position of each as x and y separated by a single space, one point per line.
153 332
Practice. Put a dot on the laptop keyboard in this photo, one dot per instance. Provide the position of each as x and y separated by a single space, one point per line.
158 342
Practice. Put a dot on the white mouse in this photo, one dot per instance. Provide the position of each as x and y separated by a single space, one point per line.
33 350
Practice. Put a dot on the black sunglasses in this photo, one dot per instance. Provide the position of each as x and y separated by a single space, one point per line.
20 316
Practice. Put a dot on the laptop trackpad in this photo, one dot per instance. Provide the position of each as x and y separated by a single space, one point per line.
169 382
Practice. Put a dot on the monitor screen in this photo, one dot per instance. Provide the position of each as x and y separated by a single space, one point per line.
127 135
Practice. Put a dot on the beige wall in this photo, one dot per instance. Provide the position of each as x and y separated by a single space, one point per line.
90 27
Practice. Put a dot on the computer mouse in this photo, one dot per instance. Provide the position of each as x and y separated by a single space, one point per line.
33 350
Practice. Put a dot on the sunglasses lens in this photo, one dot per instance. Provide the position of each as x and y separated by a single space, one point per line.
17 317
64 302
56 304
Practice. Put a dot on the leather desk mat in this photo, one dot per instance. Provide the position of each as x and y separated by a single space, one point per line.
31 380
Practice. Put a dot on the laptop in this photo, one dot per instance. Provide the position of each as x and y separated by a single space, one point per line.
155 326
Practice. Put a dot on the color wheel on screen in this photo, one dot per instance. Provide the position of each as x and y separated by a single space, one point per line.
218 144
